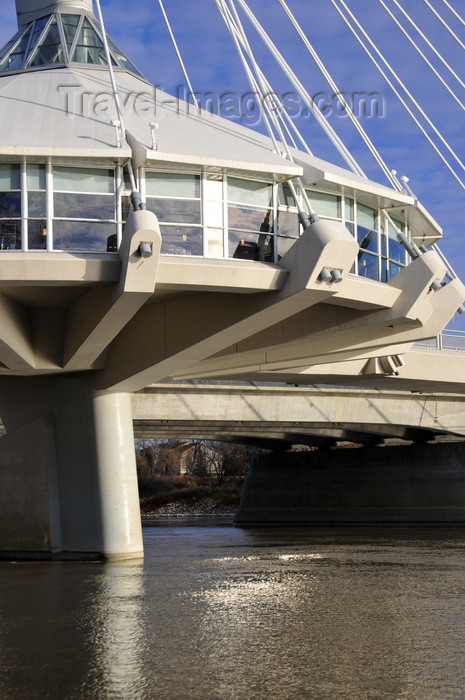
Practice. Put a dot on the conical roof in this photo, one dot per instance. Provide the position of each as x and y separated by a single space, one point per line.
58 34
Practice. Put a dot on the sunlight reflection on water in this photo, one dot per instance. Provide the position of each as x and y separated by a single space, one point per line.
215 613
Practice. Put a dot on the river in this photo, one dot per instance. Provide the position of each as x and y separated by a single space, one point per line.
216 612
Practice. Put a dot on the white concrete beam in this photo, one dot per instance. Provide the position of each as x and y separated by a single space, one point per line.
180 333
96 319
16 349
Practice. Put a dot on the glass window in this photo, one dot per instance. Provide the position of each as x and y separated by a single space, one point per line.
349 209
172 185
258 194
70 24
285 196
36 204
96 236
175 211
396 250
37 234
350 227
35 177
367 239
251 246
89 47
10 178
9 45
16 57
389 269
246 219
325 204
175 199
50 50
83 180
10 205
366 216
121 58
288 224
368 266
38 29
10 234
367 230
181 240
83 206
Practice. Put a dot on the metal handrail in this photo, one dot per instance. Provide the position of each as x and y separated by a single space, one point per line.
444 341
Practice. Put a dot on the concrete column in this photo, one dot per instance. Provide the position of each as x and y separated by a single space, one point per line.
116 464
68 480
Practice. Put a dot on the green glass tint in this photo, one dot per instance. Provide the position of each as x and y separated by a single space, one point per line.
258 194
83 180
172 185
10 177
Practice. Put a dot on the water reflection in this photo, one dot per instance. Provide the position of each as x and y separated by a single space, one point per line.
115 633
219 613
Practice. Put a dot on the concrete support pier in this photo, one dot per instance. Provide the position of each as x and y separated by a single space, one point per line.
68 481
407 485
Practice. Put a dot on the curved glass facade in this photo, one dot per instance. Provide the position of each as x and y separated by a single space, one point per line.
61 39
62 207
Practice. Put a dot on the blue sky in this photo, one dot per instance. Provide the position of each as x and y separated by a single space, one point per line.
209 53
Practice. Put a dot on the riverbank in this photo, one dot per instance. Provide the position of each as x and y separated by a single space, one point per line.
185 496
183 509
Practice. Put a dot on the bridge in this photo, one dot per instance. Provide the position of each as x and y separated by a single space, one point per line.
134 254
277 416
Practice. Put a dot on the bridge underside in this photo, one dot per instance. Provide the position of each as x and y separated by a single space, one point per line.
278 415
284 434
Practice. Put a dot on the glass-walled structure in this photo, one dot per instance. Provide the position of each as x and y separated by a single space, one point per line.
61 39
63 207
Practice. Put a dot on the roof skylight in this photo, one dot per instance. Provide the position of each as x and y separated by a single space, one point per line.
61 39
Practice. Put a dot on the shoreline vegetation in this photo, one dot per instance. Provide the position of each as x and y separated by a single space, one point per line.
184 496
191 477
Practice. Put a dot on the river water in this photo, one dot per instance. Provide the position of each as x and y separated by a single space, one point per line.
221 613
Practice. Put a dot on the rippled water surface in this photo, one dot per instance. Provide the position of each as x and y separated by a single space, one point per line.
215 612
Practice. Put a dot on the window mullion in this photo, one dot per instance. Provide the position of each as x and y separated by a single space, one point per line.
76 37
61 33
24 207
49 203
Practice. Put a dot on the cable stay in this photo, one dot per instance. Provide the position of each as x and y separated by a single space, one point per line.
444 23
430 44
178 53
374 152
240 45
264 90
420 52
337 142
398 94
254 74
260 85
136 199
454 12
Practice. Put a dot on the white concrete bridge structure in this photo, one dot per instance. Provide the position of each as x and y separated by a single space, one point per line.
170 247
276 416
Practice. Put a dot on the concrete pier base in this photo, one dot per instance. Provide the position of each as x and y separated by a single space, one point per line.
68 481
407 485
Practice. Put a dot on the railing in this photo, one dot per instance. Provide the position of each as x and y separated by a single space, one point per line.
453 341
